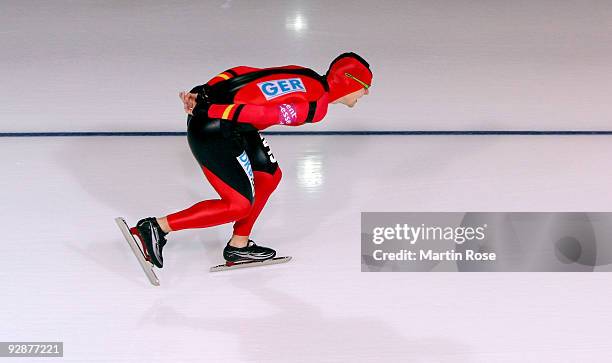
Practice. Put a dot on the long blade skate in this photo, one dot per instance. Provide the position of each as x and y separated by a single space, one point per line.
234 265
147 266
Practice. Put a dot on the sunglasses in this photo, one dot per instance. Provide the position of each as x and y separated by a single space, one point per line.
365 85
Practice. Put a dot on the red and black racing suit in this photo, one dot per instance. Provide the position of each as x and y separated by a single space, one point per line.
223 135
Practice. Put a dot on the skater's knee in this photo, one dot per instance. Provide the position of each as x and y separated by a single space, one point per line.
275 180
266 182
278 175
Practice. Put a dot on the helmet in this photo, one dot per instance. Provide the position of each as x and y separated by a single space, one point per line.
346 74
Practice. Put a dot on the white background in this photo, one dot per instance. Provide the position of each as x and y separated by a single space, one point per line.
68 275
438 65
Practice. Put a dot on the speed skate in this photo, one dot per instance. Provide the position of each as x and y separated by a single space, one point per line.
146 265
234 265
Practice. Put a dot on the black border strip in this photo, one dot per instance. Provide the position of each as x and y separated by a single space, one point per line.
298 133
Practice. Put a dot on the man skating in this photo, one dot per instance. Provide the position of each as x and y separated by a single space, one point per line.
224 118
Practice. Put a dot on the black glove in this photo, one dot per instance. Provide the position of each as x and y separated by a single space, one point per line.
201 108
202 100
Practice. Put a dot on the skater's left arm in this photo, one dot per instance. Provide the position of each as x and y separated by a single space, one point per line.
262 116
190 99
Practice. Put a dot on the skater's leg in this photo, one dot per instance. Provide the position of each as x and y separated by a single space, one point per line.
267 174
267 177
265 184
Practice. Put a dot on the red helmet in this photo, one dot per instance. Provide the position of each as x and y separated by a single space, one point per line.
346 74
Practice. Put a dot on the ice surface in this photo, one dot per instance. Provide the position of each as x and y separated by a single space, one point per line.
68 275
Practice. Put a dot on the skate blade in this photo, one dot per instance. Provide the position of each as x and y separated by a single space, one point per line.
147 266
271 261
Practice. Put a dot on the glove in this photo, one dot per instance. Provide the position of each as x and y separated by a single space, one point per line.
202 101
201 108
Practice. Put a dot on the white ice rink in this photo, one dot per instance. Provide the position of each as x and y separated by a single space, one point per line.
66 273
